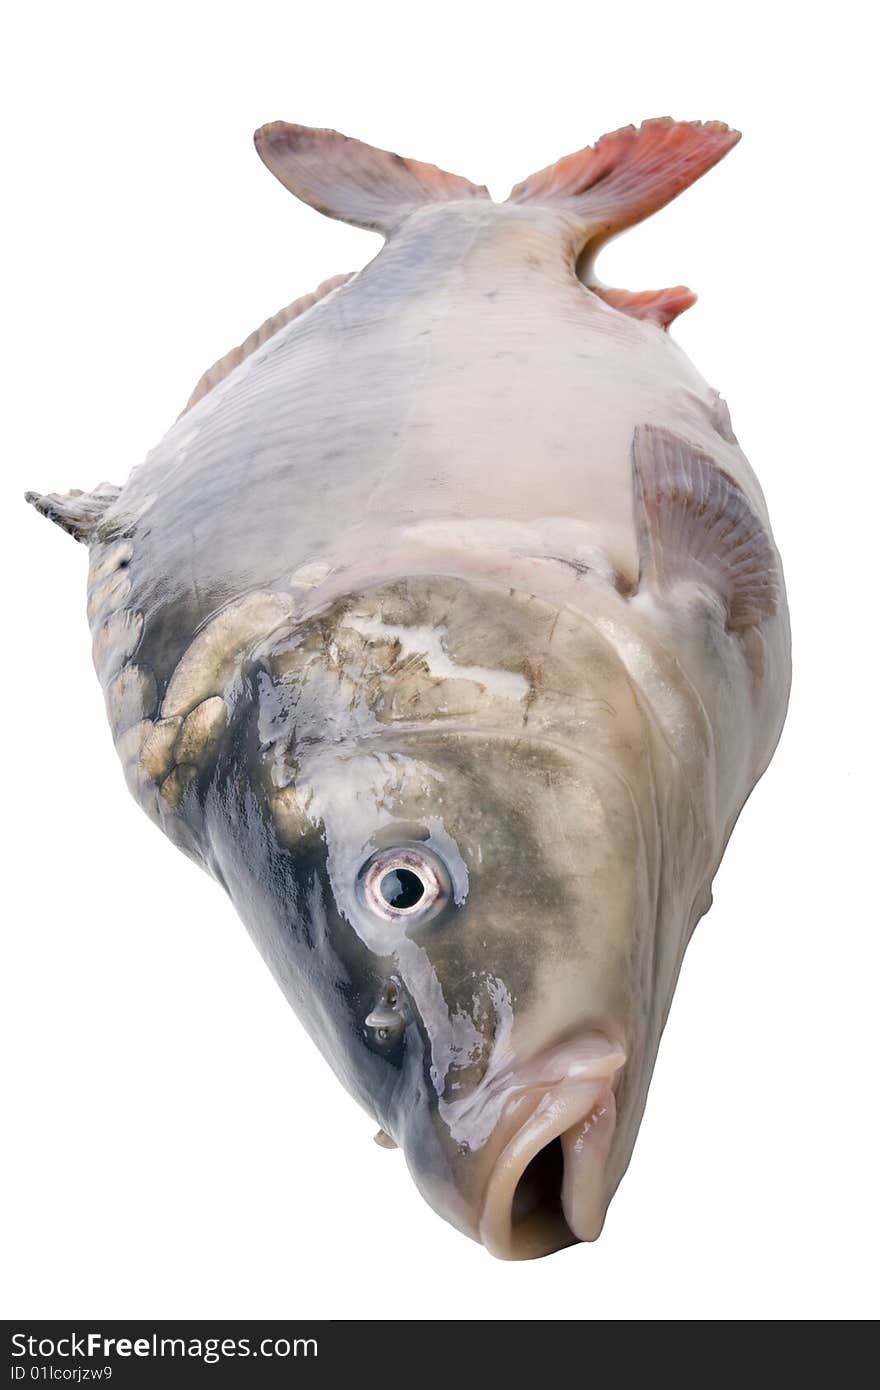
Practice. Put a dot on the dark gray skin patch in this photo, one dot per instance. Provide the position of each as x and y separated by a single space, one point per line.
173 613
170 630
327 974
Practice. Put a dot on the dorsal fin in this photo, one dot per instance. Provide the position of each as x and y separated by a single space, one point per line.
224 365
619 181
695 523
79 513
354 182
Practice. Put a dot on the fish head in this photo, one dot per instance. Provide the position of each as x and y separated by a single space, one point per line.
433 820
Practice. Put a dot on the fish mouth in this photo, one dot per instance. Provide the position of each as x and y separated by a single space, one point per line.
547 1187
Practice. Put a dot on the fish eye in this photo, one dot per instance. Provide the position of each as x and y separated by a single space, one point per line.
401 889
403 883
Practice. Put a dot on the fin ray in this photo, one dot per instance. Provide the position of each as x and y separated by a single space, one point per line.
695 523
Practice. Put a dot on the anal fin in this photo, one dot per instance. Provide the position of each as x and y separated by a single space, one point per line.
656 306
695 523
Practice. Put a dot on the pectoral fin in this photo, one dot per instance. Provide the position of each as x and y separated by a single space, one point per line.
78 513
695 523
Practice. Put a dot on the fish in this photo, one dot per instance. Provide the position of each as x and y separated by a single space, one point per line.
446 629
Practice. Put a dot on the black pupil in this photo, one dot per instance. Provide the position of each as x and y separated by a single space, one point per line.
402 888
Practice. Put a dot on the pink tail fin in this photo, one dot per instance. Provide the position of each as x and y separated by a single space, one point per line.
629 174
621 180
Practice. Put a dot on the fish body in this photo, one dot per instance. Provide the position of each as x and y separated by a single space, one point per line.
446 628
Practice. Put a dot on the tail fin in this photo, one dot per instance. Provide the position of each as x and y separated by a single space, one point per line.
603 189
629 174
621 180
354 182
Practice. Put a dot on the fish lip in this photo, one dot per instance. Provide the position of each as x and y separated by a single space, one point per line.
589 1055
569 1109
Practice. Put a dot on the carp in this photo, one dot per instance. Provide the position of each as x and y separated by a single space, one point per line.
446 629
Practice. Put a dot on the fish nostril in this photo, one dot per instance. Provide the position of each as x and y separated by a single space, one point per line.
386 1019
540 1186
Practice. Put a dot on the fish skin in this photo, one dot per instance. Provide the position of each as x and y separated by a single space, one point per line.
464 558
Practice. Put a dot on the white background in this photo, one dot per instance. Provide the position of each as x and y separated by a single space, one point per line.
175 1146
